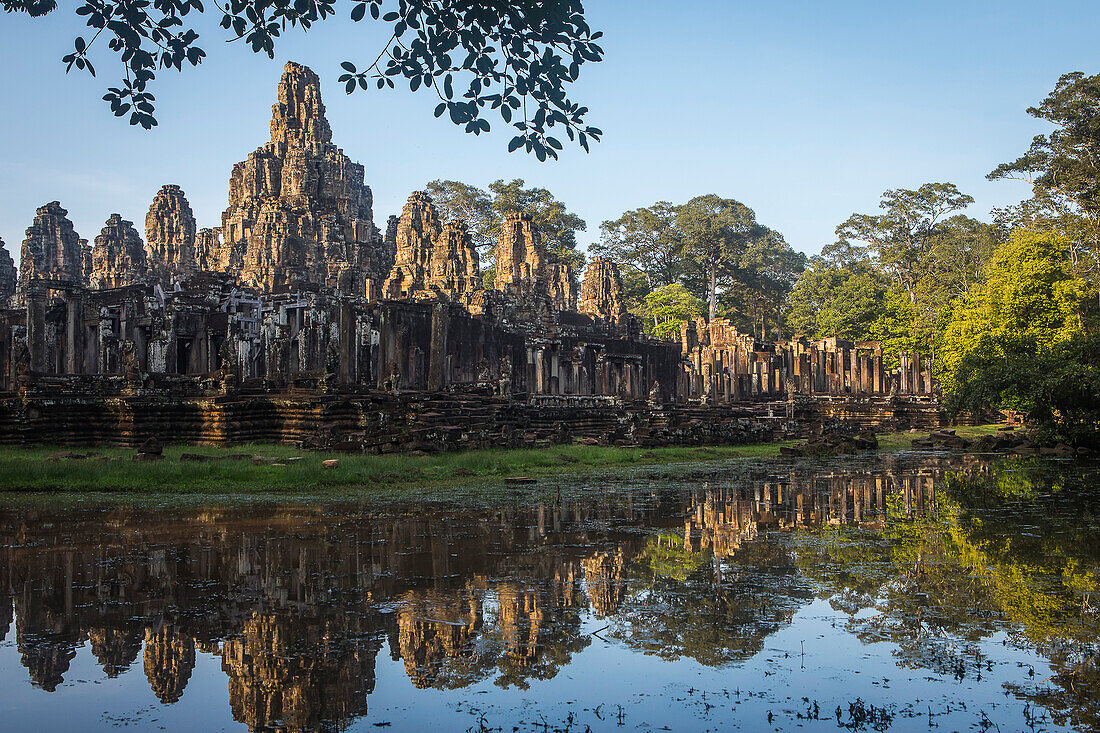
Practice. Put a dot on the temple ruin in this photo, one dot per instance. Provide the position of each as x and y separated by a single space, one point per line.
299 320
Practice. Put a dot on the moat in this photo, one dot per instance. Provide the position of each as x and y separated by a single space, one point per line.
889 592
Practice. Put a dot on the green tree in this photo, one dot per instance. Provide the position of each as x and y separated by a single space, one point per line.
460 201
635 288
558 225
716 234
901 238
484 211
829 301
515 58
1057 388
767 271
1028 295
667 306
1063 168
647 240
897 327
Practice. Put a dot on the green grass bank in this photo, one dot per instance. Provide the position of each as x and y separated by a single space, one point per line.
291 470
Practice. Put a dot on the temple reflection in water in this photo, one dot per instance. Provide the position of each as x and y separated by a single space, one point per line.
298 602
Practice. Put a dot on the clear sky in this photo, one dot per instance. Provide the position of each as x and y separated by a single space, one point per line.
805 111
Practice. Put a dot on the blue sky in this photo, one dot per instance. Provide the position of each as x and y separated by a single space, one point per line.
805 111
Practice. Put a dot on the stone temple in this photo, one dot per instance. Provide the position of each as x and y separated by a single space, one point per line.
299 320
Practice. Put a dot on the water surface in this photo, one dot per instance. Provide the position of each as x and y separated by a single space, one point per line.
881 593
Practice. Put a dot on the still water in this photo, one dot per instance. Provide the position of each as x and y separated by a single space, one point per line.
908 592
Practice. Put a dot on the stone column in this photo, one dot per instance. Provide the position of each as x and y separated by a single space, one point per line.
73 332
36 327
879 386
437 349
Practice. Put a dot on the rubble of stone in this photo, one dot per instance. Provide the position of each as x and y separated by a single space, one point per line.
1006 440
840 439
298 320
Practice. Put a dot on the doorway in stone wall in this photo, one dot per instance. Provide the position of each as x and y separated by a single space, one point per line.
183 355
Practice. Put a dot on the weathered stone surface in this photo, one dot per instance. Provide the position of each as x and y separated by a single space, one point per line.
415 237
561 286
342 367
7 275
299 214
602 290
519 256
210 254
118 256
115 648
52 249
454 263
170 236
276 681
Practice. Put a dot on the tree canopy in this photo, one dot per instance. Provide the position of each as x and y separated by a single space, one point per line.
646 240
515 59
900 238
1063 168
484 211
715 249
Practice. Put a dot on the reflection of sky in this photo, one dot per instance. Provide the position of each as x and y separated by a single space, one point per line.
838 669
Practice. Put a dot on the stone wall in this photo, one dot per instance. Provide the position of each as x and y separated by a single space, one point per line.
384 422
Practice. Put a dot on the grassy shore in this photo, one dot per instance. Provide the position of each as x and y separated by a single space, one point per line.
290 470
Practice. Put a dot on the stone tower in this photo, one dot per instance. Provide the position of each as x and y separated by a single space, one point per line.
602 290
52 249
415 236
169 661
519 255
299 214
454 263
118 255
7 275
170 236
210 255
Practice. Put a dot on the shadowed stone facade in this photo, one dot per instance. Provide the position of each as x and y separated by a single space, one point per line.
7 275
602 290
415 236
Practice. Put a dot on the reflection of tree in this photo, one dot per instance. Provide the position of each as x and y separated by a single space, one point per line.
1013 550
539 636
720 612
